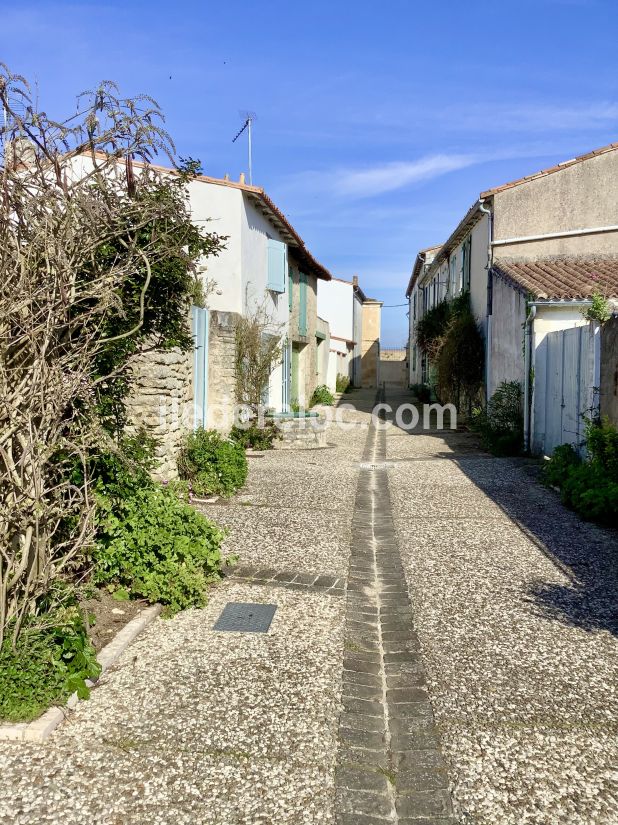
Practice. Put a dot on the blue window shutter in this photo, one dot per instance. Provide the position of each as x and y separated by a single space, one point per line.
199 324
277 265
302 305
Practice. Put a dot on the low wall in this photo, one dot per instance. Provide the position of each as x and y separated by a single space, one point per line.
161 401
301 434
393 367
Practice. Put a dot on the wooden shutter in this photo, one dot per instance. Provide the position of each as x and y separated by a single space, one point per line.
277 265
290 289
199 324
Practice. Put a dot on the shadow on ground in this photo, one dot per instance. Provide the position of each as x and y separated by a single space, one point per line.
584 552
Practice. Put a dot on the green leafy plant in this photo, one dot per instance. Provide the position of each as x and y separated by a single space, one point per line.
432 326
295 405
322 395
589 487
52 659
556 470
255 437
342 383
602 445
158 548
460 359
501 422
213 464
599 310
591 493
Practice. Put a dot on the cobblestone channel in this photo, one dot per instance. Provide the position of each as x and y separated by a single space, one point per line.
390 767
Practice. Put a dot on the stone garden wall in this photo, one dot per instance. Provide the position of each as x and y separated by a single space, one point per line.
162 402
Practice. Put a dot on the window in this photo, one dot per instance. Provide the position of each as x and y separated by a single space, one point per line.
414 307
466 249
277 253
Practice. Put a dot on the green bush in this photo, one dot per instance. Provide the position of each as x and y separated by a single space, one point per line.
213 464
157 547
588 487
47 665
602 445
501 422
254 437
422 392
556 470
342 383
432 326
460 358
589 491
322 395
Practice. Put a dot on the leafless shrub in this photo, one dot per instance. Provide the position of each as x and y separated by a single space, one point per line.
67 191
258 351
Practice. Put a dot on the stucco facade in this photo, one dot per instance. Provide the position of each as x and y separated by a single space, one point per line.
302 335
370 344
575 204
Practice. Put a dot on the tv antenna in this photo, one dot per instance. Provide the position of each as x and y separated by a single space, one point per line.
249 119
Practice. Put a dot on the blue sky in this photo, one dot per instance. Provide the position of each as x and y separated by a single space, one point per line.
378 124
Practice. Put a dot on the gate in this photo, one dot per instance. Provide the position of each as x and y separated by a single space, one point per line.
199 326
566 387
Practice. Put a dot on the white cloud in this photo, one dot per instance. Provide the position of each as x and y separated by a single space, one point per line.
366 182
390 176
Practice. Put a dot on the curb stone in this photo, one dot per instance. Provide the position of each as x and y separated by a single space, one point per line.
41 729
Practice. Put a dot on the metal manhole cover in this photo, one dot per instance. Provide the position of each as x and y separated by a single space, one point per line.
245 617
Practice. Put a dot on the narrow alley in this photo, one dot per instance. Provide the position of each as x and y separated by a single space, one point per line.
442 651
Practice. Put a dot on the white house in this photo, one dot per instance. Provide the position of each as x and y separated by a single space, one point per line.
340 303
530 253
263 255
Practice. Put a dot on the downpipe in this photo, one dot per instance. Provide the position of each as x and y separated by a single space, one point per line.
528 387
488 327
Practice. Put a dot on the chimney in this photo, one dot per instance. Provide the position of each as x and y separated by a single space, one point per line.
241 179
355 280
226 176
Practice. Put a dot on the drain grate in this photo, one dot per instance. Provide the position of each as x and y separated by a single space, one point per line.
376 465
245 617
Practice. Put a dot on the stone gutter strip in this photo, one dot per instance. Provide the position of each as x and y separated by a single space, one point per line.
42 728
290 579
390 767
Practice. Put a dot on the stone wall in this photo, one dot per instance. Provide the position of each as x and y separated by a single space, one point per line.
301 434
370 344
162 402
394 367
221 369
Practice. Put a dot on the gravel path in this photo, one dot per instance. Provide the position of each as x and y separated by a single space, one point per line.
515 606
197 726
508 639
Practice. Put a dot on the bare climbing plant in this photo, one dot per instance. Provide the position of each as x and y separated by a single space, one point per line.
85 230
258 350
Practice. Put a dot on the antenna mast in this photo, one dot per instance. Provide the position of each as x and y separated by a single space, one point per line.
249 118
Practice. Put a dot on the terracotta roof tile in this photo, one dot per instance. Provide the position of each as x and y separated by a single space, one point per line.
261 199
564 278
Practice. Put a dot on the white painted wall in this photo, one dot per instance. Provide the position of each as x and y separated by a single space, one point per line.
335 305
240 272
218 209
478 271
